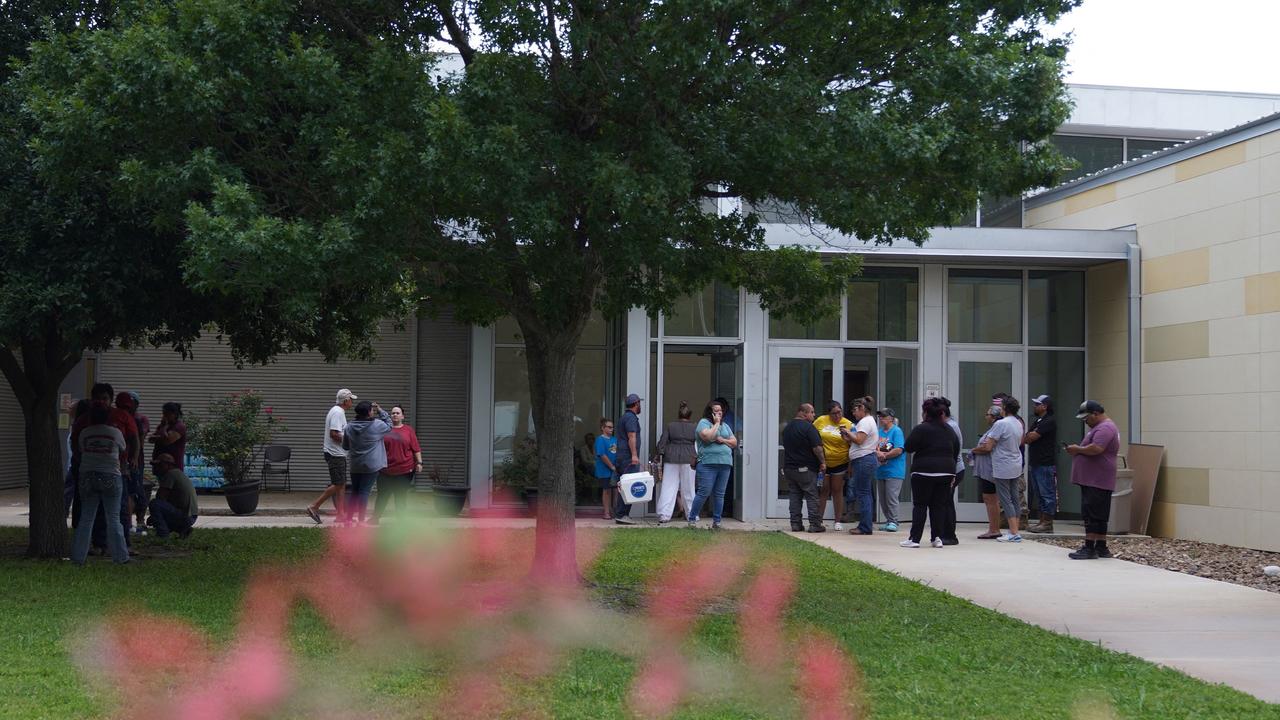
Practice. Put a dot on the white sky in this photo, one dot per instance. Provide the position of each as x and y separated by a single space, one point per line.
1184 44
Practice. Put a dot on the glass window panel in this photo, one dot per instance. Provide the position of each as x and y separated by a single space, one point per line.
712 312
984 306
800 380
884 304
1093 153
1055 311
1138 148
1060 375
978 382
825 329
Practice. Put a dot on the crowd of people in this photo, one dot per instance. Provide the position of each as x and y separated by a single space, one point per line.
821 452
377 448
105 491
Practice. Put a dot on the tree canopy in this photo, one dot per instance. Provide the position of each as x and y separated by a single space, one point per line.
309 167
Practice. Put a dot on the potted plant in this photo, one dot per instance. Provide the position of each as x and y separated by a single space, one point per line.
519 472
231 436
449 496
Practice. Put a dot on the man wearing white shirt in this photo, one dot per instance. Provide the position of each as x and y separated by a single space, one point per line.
335 457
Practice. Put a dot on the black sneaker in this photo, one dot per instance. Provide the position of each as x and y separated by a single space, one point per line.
950 541
817 528
1102 551
797 527
624 521
1084 553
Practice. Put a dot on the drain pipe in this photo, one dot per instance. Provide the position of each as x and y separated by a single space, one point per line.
1135 343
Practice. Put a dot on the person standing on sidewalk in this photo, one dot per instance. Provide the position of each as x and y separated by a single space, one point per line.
949 536
606 469
892 468
628 456
100 446
367 456
715 445
1003 442
1093 468
837 432
335 457
404 462
676 448
934 448
1042 443
862 464
803 458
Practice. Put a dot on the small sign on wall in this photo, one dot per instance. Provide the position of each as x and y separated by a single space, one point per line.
933 390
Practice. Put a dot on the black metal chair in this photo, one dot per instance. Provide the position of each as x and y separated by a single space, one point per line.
275 462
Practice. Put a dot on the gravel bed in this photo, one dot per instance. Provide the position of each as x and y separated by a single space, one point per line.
1217 562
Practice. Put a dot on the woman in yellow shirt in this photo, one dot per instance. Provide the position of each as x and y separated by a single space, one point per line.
836 432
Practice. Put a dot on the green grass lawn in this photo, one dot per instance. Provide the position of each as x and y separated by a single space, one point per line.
922 653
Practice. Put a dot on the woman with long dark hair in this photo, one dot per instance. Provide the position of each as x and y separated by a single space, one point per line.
715 443
836 432
934 448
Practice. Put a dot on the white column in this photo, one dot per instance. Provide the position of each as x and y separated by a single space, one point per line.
755 393
933 341
481 449
635 376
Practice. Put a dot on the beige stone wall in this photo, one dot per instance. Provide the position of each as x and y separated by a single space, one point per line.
1107 374
1209 229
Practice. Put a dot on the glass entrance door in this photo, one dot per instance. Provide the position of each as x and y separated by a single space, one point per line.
973 377
797 375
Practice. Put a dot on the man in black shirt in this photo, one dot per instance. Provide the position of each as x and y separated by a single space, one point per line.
1042 439
802 461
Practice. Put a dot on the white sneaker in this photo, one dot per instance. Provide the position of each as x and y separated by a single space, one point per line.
937 542
838 527
909 543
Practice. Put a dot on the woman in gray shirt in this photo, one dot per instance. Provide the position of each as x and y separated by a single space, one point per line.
678 456
1003 444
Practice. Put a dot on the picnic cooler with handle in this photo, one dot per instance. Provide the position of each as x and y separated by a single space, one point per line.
636 487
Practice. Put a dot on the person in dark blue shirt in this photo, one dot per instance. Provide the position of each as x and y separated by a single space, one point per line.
628 455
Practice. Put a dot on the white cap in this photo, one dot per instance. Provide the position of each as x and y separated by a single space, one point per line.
344 395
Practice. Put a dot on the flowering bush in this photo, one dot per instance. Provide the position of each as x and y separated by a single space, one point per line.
232 433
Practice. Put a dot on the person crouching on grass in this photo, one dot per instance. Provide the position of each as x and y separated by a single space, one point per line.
175 508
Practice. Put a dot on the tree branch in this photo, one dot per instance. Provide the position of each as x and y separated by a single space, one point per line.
458 35
553 38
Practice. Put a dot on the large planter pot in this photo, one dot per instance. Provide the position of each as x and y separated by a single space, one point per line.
242 498
449 499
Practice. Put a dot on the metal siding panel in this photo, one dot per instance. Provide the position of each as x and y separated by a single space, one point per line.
13 452
299 387
441 413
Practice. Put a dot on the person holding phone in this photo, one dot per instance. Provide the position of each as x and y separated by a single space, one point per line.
1042 453
715 443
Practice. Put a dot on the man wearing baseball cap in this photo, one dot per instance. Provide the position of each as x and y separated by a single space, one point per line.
335 457
628 461
1093 468
1041 440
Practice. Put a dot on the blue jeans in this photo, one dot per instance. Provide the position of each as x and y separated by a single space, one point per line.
358 500
100 490
168 518
710 482
857 490
1045 480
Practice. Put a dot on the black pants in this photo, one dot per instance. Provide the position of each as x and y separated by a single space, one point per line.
949 518
168 518
1095 509
802 487
929 496
393 487
621 509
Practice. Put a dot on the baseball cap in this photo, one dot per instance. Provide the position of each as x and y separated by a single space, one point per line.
345 394
995 411
632 399
124 399
1040 399
885 412
1088 407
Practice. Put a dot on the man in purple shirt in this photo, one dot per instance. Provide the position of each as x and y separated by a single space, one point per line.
1093 468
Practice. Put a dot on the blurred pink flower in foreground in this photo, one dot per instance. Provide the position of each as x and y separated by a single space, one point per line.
468 597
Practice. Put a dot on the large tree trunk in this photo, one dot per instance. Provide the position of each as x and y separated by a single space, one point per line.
551 386
47 524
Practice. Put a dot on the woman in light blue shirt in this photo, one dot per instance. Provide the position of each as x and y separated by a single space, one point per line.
714 443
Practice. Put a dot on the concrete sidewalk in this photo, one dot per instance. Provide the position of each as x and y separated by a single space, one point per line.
1210 630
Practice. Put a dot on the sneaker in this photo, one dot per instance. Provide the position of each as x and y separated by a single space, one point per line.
313 514
624 521
716 525
817 528
837 527
663 522
909 543
1084 553
937 542
858 531
183 535
797 527
1009 538
692 523
140 532
890 527
1102 551
950 541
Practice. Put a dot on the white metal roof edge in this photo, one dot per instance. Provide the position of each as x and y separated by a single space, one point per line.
1029 244
1155 161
